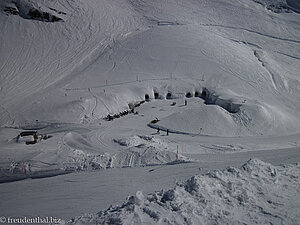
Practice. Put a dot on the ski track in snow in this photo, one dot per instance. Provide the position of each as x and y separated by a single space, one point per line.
256 54
252 31
292 56
235 63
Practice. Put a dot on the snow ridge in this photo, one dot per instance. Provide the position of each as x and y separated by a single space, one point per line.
248 195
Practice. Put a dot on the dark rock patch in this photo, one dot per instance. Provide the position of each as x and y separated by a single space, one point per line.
11 10
35 14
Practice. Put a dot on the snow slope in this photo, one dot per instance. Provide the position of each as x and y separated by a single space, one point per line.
117 42
37 54
62 78
247 195
90 76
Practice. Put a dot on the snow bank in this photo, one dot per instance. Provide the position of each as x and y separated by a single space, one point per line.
139 151
248 195
141 140
143 150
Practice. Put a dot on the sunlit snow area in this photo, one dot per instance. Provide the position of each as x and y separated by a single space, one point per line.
150 112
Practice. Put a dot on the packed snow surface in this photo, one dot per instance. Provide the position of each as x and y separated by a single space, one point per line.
95 85
245 195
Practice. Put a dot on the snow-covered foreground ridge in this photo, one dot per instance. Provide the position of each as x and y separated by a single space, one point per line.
247 195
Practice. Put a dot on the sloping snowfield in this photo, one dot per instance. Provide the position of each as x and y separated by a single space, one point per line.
92 85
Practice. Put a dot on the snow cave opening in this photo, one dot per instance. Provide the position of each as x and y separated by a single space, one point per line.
147 98
169 95
210 98
188 95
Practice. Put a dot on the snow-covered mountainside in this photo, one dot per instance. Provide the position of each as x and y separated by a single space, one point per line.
57 71
89 85
248 195
70 64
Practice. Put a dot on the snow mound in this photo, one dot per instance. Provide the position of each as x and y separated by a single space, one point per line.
144 150
248 195
253 119
190 121
140 141
140 151
132 157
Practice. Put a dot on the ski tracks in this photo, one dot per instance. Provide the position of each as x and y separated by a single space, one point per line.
272 77
252 31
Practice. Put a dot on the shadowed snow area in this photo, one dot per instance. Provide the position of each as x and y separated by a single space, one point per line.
247 195
294 5
94 85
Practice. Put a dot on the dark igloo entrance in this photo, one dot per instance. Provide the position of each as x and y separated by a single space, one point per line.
188 95
147 98
169 96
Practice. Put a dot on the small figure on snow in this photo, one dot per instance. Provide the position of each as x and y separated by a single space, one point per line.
158 131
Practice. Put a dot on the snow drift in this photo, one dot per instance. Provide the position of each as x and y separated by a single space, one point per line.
248 195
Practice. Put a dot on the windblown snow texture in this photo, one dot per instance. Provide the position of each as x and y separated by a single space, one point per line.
247 195
133 83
